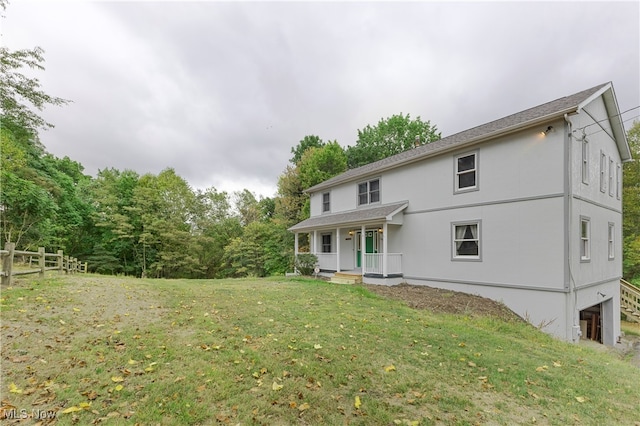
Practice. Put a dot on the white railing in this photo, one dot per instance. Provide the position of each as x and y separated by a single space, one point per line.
629 297
328 261
374 263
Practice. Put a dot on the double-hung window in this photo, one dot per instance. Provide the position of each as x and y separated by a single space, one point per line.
611 241
585 161
326 202
466 240
466 172
585 239
369 192
326 243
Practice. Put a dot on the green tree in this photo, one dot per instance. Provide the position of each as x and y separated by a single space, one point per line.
290 200
19 93
390 136
631 207
118 223
259 251
309 141
320 164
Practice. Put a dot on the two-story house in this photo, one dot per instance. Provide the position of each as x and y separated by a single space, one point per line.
525 210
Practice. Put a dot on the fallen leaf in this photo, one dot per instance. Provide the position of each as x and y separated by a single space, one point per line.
71 410
556 364
580 399
316 346
357 402
304 406
276 387
119 388
542 368
132 362
14 389
117 379
389 368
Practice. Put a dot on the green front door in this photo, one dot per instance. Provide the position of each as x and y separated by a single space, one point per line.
369 245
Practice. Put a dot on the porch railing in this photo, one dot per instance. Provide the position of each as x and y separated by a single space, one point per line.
327 261
374 263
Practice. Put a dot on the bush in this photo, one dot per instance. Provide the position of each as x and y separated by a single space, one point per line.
305 263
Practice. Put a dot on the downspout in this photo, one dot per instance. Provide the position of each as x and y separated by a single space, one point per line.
572 298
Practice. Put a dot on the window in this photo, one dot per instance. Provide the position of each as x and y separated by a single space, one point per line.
611 171
585 161
466 167
326 202
585 239
618 180
603 171
466 241
326 243
369 192
611 239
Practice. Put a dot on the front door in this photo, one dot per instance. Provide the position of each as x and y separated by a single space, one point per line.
370 241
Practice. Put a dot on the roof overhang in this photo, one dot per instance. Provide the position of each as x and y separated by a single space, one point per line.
615 118
388 213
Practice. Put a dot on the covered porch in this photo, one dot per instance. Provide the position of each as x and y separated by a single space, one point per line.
363 241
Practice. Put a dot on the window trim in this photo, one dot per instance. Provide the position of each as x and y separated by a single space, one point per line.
456 173
368 192
603 172
618 180
585 241
466 258
611 172
585 161
324 245
326 203
611 240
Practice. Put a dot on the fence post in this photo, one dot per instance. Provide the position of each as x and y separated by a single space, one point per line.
66 264
7 264
60 261
41 263
85 267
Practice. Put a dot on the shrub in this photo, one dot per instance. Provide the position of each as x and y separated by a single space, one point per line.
305 263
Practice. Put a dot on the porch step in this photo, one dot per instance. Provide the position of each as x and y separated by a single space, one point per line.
341 278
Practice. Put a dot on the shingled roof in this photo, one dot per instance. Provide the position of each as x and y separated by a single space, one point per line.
520 120
363 215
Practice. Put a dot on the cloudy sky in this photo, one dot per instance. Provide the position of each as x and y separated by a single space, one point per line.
221 91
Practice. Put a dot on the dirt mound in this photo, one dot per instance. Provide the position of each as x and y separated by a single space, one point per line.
444 301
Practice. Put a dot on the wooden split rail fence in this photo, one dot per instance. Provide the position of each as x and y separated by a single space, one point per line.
45 261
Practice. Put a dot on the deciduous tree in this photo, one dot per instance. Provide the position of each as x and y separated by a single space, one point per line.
390 136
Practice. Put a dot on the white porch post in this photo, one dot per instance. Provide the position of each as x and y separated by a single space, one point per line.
338 242
384 250
315 238
295 245
363 249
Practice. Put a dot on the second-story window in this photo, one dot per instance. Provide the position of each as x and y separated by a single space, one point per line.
326 202
466 168
369 192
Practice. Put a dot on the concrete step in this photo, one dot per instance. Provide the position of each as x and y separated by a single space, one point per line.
336 280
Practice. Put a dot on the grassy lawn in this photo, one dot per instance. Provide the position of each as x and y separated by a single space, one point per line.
287 351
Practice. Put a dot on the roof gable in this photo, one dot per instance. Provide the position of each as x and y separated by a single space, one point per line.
502 126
